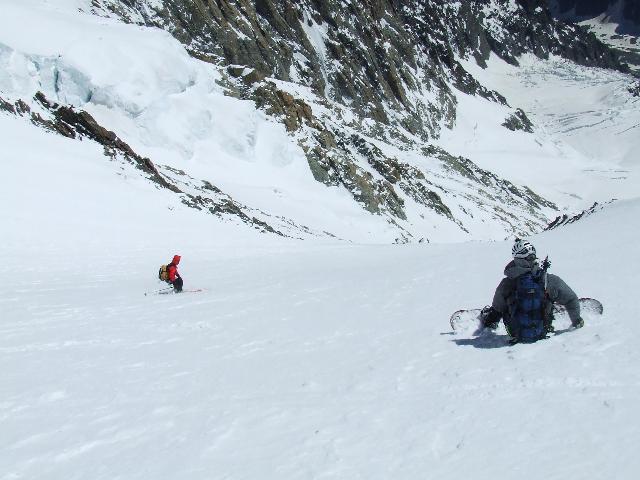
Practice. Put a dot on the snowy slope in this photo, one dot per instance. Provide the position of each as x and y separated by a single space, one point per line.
302 360
586 139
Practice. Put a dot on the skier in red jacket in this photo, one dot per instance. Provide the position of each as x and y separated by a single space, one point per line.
174 277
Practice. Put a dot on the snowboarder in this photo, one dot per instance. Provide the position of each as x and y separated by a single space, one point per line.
174 277
525 297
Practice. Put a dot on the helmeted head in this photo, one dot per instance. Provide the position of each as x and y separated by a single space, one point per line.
176 259
523 249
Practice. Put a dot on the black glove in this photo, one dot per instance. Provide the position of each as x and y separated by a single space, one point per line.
490 317
577 323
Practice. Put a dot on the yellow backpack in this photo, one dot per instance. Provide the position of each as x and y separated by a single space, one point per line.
163 273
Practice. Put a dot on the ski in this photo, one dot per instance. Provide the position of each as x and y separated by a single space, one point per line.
184 290
172 292
159 292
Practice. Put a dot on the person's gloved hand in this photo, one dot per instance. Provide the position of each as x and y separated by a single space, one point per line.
577 323
490 317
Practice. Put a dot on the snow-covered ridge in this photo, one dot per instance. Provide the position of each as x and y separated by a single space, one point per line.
565 219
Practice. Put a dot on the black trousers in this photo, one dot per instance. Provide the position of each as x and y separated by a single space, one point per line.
177 284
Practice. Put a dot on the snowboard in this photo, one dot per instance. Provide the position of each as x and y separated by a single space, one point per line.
463 320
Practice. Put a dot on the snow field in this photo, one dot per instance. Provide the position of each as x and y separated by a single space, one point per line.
585 130
304 360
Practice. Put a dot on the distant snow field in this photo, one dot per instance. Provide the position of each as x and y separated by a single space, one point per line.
587 131
316 359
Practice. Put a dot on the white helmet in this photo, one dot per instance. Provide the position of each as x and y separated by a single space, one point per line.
522 249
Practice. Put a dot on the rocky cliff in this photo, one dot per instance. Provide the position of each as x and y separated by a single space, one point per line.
615 22
625 12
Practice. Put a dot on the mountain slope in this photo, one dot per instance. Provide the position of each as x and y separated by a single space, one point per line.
626 13
268 147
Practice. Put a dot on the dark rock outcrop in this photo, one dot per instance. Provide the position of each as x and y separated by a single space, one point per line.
624 12
518 120
565 219
72 123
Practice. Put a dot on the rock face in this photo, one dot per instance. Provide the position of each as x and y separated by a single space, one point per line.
626 11
624 14
377 71
374 56
519 121
532 28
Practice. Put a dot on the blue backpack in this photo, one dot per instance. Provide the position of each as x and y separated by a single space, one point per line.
528 310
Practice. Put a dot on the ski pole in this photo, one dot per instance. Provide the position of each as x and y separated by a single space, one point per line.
158 291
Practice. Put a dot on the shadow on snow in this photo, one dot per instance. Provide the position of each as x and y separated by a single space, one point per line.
484 340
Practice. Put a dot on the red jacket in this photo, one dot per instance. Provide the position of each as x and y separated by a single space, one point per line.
172 268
